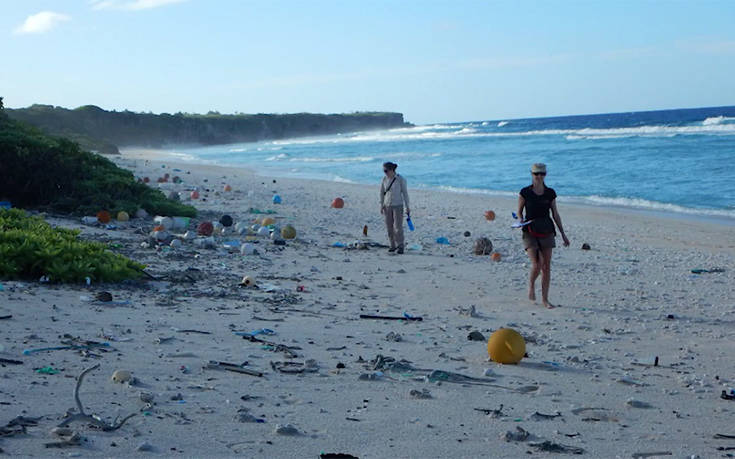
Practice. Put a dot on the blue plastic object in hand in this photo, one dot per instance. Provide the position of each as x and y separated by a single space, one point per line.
410 223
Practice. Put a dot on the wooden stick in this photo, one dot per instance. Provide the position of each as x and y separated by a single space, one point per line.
369 316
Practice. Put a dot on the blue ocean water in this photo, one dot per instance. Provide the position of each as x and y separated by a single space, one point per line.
678 161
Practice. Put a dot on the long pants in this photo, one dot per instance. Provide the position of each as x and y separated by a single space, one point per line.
394 224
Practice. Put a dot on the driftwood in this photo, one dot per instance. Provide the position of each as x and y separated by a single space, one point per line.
92 419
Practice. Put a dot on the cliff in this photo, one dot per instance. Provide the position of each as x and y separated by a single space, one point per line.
103 131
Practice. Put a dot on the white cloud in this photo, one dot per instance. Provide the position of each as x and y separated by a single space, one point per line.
41 22
130 5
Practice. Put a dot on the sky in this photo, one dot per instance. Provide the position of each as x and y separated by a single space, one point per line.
433 61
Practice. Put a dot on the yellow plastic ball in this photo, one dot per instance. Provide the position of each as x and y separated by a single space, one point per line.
123 216
506 346
267 221
288 232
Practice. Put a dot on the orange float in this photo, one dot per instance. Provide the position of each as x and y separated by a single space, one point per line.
194 194
205 228
103 216
227 188
496 256
489 215
338 203
159 228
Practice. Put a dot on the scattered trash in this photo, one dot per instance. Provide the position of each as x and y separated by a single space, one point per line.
122 376
337 456
286 429
544 417
638 404
276 199
5 205
80 415
47 371
442 240
467 234
493 413
247 281
338 203
308 366
393 336
476 336
552 447
652 454
728 394
519 435
215 365
483 246
374 376
403 317
16 362
409 222
586 246
506 346
205 229
704 271
489 215
422 394
288 232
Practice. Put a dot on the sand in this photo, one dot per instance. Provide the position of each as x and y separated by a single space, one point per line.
587 382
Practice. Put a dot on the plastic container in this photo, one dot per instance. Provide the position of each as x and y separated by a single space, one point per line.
181 223
166 222
409 223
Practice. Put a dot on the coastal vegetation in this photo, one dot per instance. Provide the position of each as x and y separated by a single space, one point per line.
53 173
31 249
104 131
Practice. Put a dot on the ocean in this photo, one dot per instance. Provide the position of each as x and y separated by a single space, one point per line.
674 161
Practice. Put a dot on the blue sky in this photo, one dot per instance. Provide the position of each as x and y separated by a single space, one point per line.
434 61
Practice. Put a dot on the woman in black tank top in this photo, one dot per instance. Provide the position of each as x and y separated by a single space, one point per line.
537 204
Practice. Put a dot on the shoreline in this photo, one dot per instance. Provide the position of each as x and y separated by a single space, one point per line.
690 215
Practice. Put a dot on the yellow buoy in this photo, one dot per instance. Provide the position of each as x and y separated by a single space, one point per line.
506 346
267 221
288 232
123 216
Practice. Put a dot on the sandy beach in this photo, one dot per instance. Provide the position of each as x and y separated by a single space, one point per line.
335 383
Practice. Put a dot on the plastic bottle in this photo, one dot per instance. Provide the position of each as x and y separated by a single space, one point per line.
410 223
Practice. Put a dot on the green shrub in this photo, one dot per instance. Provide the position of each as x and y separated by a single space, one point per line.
39 171
30 248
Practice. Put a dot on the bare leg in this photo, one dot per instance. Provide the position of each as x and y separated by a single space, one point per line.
545 262
533 255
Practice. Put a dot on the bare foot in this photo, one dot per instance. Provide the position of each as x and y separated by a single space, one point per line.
548 305
532 296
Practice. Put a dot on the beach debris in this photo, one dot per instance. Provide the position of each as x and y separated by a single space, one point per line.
286 429
493 413
373 376
122 376
166 222
205 228
442 240
277 199
105 297
706 271
544 417
144 447
10 362
586 246
468 311
637 404
489 215
496 256
288 232
308 366
364 230
506 346
483 246
247 281
104 217
227 189
476 336
92 419
551 447
243 415
337 456
458 378
226 221
595 414
724 436
176 244
75 439
216 365
405 316
9 316
141 213
191 330
422 394
47 370
652 454
467 234
194 194
270 346
728 394
90 220
338 203
393 336
520 434
17 426
123 216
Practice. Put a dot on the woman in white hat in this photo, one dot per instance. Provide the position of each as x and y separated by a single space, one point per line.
535 203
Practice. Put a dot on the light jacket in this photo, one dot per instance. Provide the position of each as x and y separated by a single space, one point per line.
397 195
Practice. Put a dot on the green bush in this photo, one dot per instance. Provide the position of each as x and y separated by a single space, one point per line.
40 171
30 248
